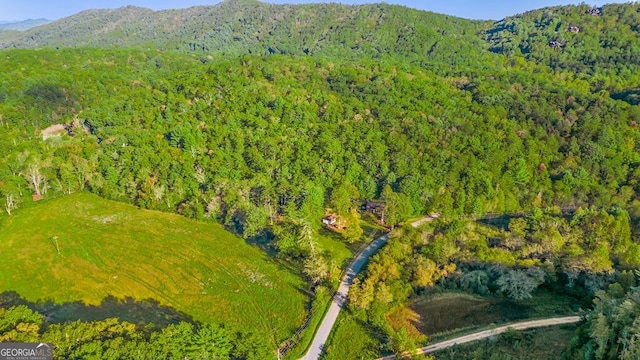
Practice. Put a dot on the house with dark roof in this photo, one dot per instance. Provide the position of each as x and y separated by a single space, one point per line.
373 207
555 44
595 11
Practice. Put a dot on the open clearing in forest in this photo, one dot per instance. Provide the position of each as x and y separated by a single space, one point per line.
109 250
438 316
518 345
454 311
546 343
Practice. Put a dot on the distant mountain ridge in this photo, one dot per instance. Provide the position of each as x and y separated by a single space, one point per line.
236 27
22 25
575 38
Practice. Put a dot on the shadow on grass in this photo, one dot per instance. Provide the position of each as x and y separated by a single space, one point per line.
140 312
265 242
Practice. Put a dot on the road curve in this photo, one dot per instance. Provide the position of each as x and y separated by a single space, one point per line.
319 340
488 333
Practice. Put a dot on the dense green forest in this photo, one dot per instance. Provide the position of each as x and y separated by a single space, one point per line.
260 117
113 339
245 141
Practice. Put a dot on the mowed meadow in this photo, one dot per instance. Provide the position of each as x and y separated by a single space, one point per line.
84 248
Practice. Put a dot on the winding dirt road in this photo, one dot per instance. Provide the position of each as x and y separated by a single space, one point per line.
488 333
315 350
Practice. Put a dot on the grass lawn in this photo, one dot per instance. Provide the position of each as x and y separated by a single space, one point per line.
350 339
340 255
334 246
109 249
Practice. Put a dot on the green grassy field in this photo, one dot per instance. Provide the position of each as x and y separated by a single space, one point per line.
111 249
337 250
350 339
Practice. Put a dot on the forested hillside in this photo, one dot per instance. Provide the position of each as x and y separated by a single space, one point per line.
261 117
601 44
228 139
240 27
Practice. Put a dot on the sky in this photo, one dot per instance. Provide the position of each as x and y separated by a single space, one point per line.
470 9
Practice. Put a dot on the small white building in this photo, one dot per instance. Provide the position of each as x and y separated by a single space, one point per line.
329 220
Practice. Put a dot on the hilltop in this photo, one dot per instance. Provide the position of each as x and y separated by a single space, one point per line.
238 27
22 25
573 38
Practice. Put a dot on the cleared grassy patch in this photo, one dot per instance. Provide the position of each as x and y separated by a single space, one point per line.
447 315
536 344
452 311
335 247
84 248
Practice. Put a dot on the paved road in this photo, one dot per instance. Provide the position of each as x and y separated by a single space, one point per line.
488 333
339 299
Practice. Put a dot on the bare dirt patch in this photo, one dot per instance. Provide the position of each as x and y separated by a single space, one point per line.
53 130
